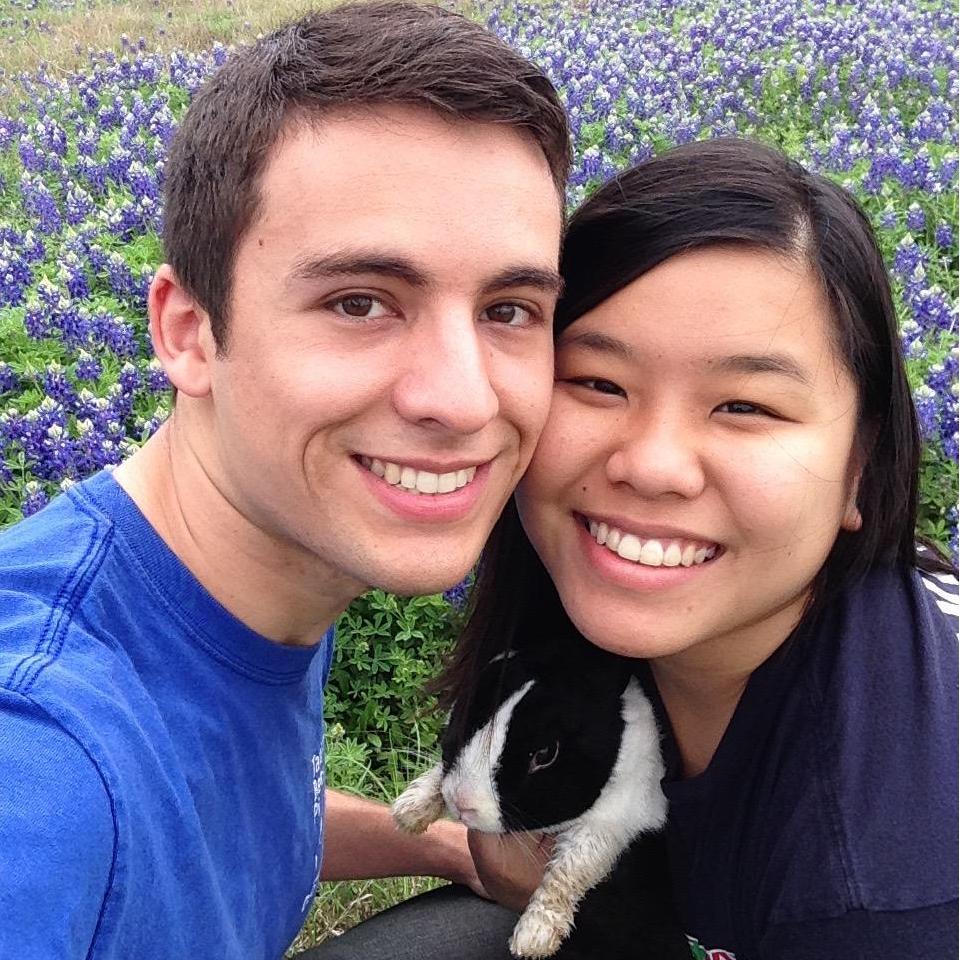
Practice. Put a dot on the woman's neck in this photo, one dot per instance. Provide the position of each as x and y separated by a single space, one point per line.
699 712
701 686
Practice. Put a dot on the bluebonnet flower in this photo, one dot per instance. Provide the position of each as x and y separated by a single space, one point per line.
9 381
15 275
459 595
928 411
156 377
36 320
916 218
57 386
78 204
34 498
129 379
73 276
87 367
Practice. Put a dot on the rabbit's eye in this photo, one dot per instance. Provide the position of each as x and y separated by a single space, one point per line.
542 758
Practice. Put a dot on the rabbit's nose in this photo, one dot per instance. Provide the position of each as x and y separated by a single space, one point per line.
464 803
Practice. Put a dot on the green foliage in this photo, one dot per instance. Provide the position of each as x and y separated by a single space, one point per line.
388 648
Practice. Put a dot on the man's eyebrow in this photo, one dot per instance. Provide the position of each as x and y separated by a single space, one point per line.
547 280
352 264
746 363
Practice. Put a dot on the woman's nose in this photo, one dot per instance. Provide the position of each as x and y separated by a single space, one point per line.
658 456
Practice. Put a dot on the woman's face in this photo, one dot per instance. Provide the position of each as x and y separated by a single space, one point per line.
703 426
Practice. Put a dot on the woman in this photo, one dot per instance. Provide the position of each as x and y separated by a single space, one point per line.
726 490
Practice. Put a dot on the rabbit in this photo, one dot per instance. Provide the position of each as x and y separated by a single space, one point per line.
564 742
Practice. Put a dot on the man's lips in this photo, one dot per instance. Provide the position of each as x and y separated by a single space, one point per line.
414 477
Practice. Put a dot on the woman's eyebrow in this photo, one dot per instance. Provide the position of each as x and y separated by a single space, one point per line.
778 363
601 343
744 363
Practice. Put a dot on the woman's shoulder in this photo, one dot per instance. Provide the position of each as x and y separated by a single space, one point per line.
884 692
893 616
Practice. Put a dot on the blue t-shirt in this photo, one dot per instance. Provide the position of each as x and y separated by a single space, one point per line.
825 827
161 765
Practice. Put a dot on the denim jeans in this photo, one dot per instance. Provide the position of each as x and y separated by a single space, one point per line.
449 923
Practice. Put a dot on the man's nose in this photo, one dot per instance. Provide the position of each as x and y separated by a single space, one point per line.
658 455
447 378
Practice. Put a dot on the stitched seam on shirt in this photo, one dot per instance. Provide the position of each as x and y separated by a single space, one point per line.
111 876
830 762
71 592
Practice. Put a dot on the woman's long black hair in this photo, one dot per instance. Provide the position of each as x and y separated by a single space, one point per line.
708 193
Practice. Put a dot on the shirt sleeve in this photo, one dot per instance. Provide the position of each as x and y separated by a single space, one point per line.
57 838
887 935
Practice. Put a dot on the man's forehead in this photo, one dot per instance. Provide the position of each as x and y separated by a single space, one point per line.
392 141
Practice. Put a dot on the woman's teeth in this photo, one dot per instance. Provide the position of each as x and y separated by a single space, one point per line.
418 481
651 553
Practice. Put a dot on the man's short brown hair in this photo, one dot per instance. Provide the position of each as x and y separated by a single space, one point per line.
360 54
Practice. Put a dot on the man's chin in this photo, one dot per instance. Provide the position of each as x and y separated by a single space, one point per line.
415 583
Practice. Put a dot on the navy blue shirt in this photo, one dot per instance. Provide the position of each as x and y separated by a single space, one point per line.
825 827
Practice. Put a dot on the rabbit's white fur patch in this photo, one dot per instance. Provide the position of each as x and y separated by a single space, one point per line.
631 801
470 780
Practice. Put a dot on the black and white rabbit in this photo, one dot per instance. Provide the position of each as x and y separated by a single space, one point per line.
564 742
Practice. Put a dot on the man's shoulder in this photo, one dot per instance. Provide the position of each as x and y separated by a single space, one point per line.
41 554
47 563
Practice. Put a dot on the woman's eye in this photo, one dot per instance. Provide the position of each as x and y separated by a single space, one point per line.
601 386
544 757
511 314
359 306
741 407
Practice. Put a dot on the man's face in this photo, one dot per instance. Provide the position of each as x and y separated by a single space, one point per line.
389 328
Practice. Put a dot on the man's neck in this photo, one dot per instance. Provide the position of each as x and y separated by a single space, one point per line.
276 588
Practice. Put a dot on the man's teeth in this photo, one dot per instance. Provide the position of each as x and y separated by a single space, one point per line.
419 481
651 553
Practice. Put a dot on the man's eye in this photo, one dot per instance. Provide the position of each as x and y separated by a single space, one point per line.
359 306
511 314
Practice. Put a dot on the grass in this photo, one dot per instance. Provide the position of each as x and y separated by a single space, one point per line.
62 37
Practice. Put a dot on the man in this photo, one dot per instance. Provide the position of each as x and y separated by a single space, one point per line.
363 215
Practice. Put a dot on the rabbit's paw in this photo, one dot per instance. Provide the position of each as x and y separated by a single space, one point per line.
538 933
419 805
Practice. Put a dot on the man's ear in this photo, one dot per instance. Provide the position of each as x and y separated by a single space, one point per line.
181 334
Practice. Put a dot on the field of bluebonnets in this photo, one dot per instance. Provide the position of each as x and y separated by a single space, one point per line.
865 93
